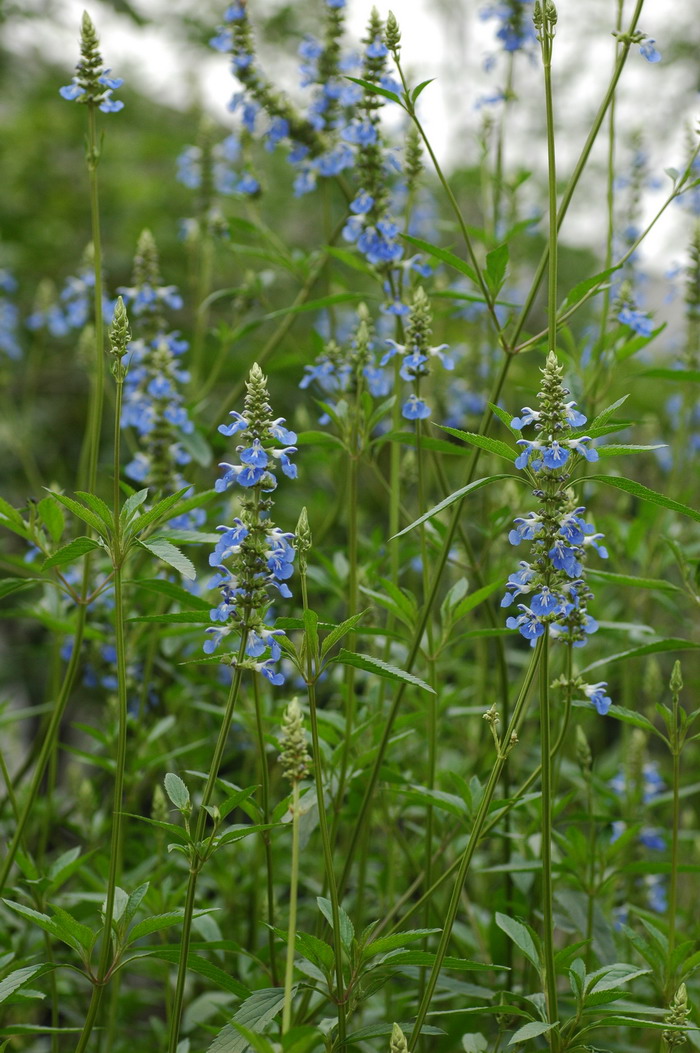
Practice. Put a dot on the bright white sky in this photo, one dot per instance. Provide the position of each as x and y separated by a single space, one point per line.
660 99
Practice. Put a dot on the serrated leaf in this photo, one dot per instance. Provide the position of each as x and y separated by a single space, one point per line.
317 951
73 928
169 554
520 936
177 791
444 255
131 506
86 514
456 496
70 552
10 585
98 506
255 1013
629 579
398 940
657 647
501 449
52 517
427 958
50 925
681 375
134 902
155 924
172 591
375 665
155 514
630 486
616 450
531 1030
605 415
12 519
378 1030
339 631
17 979
347 929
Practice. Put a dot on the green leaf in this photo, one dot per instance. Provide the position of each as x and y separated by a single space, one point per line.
427 958
496 264
13 520
420 89
259 1043
155 924
175 618
177 791
316 951
86 514
645 494
605 415
456 496
444 255
503 416
347 929
375 665
70 552
501 449
521 937
131 506
158 512
170 555
581 290
473 600
378 1030
651 648
629 579
397 940
339 631
50 925
98 506
133 903
10 585
255 1013
52 517
173 592
615 450
74 929
311 630
196 964
374 89
531 1030
17 979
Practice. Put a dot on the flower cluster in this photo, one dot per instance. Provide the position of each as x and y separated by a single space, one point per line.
560 537
253 556
153 401
647 784
516 31
416 355
91 82
9 317
343 367
72 308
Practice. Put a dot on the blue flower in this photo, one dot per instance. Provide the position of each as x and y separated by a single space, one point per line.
415 409
595 693
640 322
649 51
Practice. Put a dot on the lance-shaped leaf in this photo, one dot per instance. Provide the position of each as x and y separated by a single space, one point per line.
170 555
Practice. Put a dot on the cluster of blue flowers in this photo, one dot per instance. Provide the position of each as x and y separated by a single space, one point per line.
9 317
72 309
416 355
253 556
515 28
153 400
223 159
560 537
338 368
92 83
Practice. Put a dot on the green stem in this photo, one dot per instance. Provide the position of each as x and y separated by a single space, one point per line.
549 974
105 962
365 806
266 840
97 400
292 929
675 739
578 171
198 859
509 737
328 861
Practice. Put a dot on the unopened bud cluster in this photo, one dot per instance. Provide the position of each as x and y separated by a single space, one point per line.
294 756
92 83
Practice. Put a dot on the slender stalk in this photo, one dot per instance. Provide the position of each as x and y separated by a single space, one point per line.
105 962
509 738
198 857
94 428
292 928
328 862
266 840
365 806
549 973
578 170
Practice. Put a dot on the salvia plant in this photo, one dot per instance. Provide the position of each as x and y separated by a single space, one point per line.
380 735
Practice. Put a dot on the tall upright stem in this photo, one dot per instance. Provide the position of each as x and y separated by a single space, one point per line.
267 844
549 978
94 427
